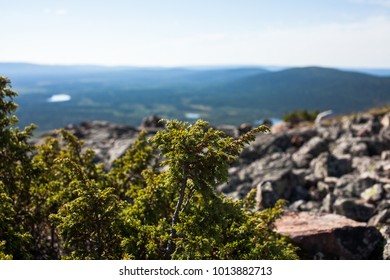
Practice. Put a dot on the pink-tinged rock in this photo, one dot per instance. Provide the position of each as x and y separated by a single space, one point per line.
331 236
280 127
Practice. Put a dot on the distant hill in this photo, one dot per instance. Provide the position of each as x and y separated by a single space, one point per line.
225 95
382 72
298 88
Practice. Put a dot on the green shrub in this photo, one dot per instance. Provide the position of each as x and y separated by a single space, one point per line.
300 116
159 200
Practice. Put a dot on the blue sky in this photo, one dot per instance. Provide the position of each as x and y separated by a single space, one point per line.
334 33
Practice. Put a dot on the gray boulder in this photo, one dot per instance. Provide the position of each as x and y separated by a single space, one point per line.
108 140
308 151
152 123
383 217
328 165
354 209
385 231
373 194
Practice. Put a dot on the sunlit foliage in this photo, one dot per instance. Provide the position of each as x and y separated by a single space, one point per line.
159 200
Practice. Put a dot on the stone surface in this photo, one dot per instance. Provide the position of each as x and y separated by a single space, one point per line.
353 209
383 217
385 231
265 195
152 123
327 165
108 140
331 236
373 194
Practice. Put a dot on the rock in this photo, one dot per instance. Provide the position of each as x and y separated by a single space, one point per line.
306 206
385 231
358 146
331 133
300 176
319 192
285 184
342 146
363 118
327 165
308 151
118 148
314 146
108 140
366 125
383 217
385 121
275 168
353 209
281 182
386 169
306 133
387 190
296 206
265 195
299 192
385 155
364 164
152 123
244 128
376 145
301 160
373 194
358 150
352 146
330 236
384 204
280 127
264 145
352 185
230 130
384 137
327 203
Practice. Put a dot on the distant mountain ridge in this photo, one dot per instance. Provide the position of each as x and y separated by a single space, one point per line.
225 95
26 74
312 87
34 69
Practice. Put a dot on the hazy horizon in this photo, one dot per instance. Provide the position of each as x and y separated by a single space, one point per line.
173 33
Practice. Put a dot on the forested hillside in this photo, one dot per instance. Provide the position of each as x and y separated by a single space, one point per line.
313 88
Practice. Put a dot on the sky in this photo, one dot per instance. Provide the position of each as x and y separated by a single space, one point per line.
170 33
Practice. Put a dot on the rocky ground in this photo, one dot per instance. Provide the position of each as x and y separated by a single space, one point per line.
334 176
326 173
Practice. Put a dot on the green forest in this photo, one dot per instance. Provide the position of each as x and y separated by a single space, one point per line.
157 202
